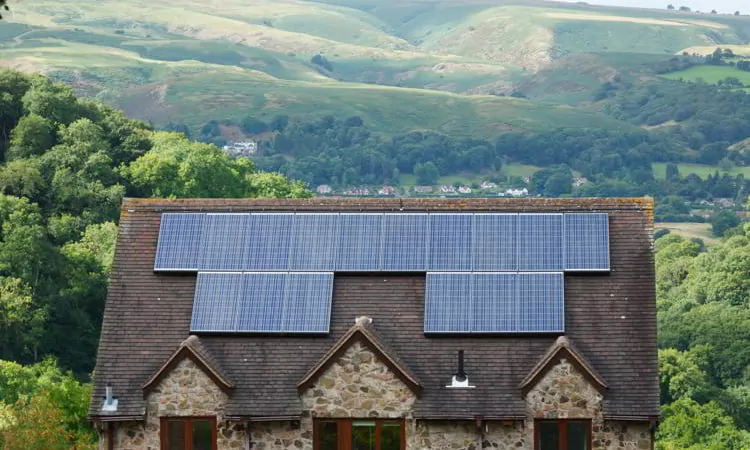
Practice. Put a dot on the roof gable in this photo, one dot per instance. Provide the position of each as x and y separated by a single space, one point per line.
559 350
190 348
363 332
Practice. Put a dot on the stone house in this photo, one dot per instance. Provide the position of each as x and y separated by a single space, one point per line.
380 324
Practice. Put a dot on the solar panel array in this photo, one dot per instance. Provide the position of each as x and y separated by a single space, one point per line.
463 302
262 302
400 242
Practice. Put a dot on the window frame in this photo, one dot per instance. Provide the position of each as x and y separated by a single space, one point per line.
345 430
188 422
562 425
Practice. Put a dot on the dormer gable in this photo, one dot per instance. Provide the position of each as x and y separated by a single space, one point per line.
562 349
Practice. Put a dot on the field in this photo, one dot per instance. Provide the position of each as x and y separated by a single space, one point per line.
689 230
710 74
703 171
403 65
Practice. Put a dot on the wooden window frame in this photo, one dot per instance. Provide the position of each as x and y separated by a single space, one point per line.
562 425
344 427
188 421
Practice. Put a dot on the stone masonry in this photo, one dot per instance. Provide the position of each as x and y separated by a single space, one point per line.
359 385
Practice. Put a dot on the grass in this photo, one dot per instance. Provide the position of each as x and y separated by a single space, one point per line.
710 74
703 171
689 230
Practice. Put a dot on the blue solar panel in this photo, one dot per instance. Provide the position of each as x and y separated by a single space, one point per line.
268 242
540 242
405 238
223 241
586 242
307 303
495 246
494 302
179 242
359 242
448 305
451 242
541 304
217 297
315 240
260 308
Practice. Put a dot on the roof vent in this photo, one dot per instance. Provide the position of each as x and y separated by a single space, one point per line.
110 402
460 379
363 320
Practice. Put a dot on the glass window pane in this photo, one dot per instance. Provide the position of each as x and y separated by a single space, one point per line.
176 435
328 436
578 436
363 436
202 435
549 436
390 436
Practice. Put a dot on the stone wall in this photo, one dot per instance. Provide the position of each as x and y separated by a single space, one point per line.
359 385
185 391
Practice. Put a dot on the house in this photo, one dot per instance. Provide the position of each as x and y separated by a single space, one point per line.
387 191
414 324
357 192
488 185
423 189
580 181
324 189
464 190
243 148
447 189
515 192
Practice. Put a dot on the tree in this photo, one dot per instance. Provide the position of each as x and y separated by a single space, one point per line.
689 425
713 11
427 174
279 123
251 125
670 7
3 6
722 221
33 135
736 13
685 8
673 172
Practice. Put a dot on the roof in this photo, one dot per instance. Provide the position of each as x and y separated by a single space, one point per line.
365 333
611 318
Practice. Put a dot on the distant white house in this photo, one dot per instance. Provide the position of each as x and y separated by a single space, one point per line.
580 181
243 148
527 180
447 189
515 192
387 190
357 192
423 189
464 190
324 189
488 185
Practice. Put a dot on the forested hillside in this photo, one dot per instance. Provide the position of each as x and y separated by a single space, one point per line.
66 166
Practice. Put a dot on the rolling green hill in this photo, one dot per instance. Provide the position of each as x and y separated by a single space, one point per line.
392 62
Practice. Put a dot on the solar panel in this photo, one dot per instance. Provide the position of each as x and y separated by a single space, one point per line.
587 242
495 246
540 242
223 241
541 305
494 302
315 240
179 241
268 241
217 296
500 302
260 308
450 242
307 303
405 242
359 242
448 305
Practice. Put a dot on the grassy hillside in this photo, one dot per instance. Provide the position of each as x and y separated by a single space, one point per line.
391 61
710 74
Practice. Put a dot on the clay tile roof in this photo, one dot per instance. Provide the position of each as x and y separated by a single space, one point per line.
363 331
193 349
562 348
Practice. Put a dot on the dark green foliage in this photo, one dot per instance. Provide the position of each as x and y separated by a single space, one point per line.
251 125
723 221
322 61
427 173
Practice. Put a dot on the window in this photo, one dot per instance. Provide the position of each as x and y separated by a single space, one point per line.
354 434
188 433
562 435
